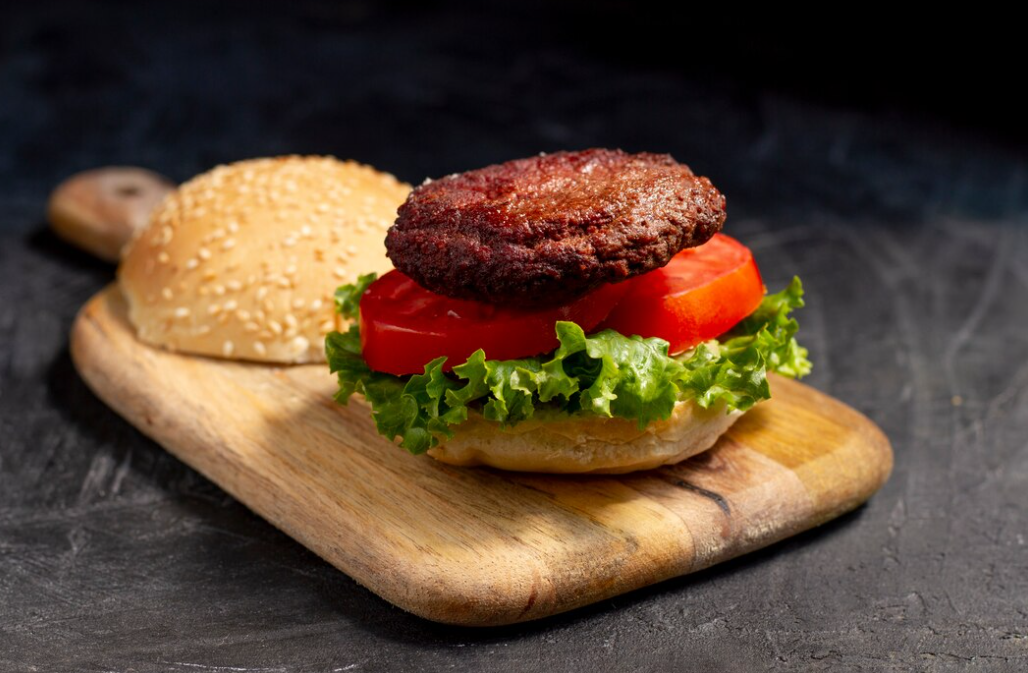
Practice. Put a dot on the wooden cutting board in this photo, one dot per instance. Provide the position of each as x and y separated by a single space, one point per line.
477 546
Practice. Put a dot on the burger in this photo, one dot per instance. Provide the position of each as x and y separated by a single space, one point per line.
575 312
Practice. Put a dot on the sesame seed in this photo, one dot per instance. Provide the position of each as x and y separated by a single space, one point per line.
262 292
305 230
301 344
191 263
209 274
162 257
243 315
259 348
327 326
214 309
298 303
284 282
231 305
275 326
166 293
227 348
290 320
322 208
351 249
228 244
339 272
182 312
204 254
251 326
219 290
289 242
234 285
167 233
233 227
316 304
290 270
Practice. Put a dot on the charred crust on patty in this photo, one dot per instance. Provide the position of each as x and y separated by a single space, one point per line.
548 229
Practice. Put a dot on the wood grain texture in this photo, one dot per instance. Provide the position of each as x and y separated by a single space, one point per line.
475 546
101 209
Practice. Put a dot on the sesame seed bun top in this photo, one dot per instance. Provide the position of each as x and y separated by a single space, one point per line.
242 261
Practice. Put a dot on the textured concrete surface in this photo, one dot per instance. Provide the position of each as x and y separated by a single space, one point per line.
909 232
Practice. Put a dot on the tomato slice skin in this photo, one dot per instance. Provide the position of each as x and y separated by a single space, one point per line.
701 293
404 326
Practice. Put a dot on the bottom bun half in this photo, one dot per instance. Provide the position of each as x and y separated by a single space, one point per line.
587 445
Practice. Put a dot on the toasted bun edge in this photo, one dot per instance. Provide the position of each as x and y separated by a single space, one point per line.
587 445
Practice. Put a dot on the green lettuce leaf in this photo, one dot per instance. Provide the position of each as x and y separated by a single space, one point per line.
348 297
605 374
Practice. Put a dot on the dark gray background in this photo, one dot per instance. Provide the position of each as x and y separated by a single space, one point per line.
896 188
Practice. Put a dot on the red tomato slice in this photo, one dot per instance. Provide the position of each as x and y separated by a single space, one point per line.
404 326
702 293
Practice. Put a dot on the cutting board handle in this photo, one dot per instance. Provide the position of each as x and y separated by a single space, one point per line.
100 210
